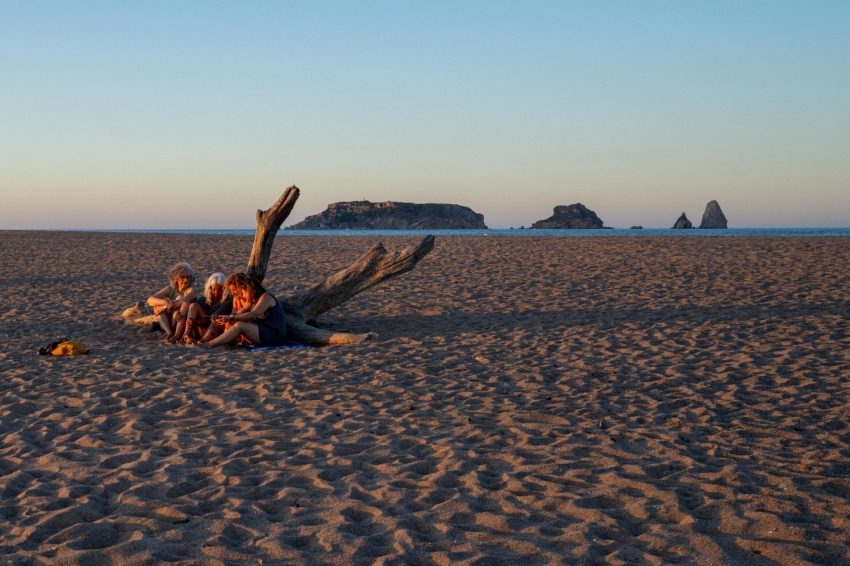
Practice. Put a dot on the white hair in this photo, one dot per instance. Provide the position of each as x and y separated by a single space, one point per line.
215 279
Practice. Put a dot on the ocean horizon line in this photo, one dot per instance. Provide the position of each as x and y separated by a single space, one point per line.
606 232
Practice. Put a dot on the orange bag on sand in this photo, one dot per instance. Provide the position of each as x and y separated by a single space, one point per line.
69 349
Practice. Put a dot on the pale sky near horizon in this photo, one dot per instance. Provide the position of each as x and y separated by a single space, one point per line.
156 115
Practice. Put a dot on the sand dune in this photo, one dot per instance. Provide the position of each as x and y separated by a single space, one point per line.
527 401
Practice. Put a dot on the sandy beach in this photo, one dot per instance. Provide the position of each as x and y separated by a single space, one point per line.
527 401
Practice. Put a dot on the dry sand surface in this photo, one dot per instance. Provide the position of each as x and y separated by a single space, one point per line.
527 401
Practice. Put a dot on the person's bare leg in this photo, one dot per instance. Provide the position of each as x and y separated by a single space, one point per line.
248 329
180 317
165 324
189 331
193 331
211 333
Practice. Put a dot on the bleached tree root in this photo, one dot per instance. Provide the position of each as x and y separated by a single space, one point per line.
141 314
297 329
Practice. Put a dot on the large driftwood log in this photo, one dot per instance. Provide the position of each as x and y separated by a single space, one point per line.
268 223
373 267
301 310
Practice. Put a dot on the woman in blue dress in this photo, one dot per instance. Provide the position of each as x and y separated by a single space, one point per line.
261 322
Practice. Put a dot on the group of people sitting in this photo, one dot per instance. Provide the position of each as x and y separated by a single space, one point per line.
229 309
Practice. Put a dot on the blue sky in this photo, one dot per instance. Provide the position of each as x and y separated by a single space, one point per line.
193 115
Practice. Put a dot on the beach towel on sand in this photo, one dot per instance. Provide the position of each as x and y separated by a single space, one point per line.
287 345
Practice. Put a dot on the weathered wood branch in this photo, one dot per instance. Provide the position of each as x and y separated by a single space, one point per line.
140 314
268 223
375 266
297 329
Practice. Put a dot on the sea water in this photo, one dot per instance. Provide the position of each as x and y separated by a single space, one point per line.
525 232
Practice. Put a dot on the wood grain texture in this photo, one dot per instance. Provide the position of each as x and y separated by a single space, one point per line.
268 223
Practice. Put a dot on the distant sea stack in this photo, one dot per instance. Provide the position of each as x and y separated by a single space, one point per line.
365 215
571 217
682 223
713 217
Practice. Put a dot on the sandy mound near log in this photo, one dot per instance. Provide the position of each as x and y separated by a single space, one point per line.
528 401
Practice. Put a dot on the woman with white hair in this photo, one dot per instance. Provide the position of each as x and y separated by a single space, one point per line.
216 300
172 302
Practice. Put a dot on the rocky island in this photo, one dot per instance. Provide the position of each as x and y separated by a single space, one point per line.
682 223
571 217
713 218
365 215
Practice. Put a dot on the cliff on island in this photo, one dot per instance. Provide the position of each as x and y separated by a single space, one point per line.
713 218
365 215
571 217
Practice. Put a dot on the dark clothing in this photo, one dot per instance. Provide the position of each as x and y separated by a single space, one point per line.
272 325
221 307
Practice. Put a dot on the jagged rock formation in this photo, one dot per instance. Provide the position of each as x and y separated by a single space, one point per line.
571 217
365 215
713 217
682 223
